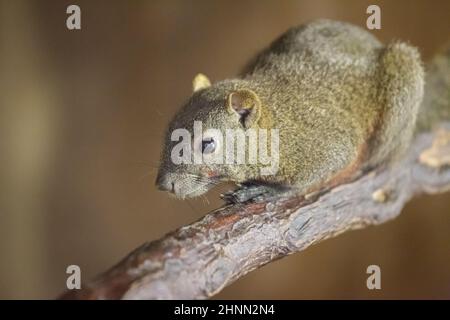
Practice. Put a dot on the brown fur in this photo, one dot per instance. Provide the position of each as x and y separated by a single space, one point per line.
342 102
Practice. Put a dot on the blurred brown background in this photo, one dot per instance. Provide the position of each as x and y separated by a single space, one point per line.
81 119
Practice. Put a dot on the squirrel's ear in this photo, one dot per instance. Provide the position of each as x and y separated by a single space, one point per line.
200 82
246 104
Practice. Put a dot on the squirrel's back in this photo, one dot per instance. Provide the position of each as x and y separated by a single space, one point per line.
436 102
336 81
324 40
341 101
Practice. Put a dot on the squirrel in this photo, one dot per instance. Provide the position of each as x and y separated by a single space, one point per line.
343 103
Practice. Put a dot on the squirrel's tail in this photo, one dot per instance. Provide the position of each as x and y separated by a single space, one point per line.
436 102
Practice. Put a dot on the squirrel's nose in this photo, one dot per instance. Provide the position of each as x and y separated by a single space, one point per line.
164 184
167 187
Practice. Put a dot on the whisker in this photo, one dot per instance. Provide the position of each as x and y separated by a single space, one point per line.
191 206
205 200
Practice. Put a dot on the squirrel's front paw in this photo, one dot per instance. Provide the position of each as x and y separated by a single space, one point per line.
251 191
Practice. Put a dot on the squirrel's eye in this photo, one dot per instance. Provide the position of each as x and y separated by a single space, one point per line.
208 145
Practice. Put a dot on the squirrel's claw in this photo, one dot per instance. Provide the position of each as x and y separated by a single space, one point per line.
250 192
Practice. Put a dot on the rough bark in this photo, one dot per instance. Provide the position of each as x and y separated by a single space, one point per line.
198 260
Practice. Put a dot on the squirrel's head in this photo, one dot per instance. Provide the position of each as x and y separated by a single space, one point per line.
193 158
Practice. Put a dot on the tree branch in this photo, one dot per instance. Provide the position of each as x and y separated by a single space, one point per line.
199 260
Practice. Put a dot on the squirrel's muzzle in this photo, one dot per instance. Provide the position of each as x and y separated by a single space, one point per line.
164 183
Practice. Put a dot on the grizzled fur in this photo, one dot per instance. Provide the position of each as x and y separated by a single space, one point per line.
342 102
